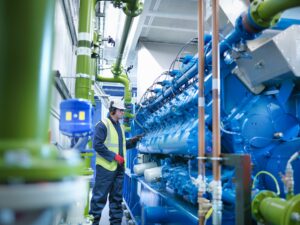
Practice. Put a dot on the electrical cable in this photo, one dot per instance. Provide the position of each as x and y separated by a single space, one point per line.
228 131
208 214
269 174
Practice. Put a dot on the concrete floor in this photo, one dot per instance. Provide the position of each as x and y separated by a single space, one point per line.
105 216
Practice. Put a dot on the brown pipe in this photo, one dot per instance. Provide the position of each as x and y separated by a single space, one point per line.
201 111
217 189
216 91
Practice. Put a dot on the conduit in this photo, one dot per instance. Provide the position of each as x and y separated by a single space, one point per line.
84 63
201 113
217 188
132 9
25 154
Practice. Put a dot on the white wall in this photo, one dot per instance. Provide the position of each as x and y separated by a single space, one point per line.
64 61
152 60
64 52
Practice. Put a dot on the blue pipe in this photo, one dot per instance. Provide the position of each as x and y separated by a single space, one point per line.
239 33
285 23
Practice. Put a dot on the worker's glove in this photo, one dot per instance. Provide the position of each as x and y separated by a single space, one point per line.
119 159
136 138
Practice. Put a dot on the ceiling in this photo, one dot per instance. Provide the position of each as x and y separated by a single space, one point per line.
166 21
163 21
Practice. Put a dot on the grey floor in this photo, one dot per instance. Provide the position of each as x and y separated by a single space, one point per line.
105 216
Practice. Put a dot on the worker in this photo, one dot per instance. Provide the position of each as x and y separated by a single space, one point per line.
110 145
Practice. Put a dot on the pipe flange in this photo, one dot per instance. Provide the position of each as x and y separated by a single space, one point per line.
34 162
134 12
256 18
116 71
292 212
256 204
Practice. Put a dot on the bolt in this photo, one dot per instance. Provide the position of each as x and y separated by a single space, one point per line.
278 135
259 65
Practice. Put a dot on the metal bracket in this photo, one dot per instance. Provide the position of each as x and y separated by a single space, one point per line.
242 169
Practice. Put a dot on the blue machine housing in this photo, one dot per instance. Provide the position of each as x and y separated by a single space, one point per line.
265 126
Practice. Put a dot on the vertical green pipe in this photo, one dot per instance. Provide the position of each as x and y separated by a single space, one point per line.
25 84
132 9
83 67
117 66
25 70
95 55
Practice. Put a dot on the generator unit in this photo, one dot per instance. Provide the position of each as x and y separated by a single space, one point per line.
260 102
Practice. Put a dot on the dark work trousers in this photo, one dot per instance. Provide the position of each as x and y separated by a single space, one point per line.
108 183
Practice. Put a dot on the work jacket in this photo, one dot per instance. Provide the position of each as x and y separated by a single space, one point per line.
112 143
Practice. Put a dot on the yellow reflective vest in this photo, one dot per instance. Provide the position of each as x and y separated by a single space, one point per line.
112 143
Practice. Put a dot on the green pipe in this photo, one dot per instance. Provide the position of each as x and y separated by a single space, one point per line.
84 64
268 208
266 13
122 79
93 72
25 154
117 69
132 9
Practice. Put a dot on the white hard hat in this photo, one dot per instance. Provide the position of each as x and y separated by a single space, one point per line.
117 104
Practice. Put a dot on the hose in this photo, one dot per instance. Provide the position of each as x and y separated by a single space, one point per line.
269 174
208 214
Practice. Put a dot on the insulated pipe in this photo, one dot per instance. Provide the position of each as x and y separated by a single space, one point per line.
266 13
153 174
116 69
24 102
201 102
84 63
132 9
25 154
122 79
217 188
216 91
268 208
201 111
140 168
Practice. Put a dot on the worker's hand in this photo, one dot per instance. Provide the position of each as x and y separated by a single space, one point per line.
119 159
136 138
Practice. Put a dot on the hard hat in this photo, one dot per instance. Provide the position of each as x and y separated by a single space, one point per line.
117 104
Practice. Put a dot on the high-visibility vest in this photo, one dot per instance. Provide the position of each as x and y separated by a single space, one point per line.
112 143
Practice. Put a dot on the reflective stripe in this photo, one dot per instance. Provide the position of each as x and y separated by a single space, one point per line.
112 143
108 136
83 75
84 51
84 36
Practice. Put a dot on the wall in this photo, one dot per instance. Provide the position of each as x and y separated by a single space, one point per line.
153 59
64 61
